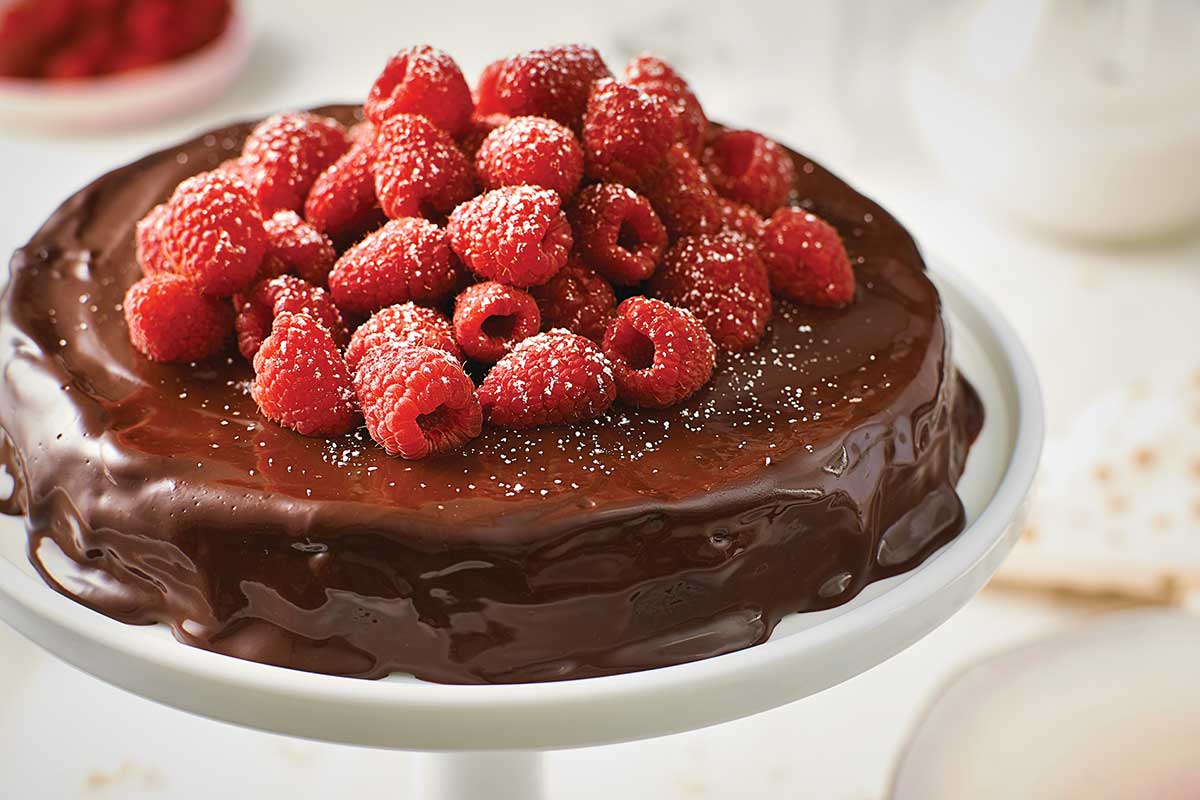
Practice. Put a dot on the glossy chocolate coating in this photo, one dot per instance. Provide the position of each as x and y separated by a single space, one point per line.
821 461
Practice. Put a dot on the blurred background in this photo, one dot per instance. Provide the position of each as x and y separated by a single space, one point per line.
1049 150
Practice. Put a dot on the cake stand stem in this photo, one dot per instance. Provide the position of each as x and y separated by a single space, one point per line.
480 776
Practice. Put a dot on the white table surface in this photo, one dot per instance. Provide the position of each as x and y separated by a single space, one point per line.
1094 319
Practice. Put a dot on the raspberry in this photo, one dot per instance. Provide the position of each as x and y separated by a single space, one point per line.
149 241
750 168
660 354
406 259
489 318
421 80
342 199
576 299
552 82
418 168
554 378
741 219
258 308
531 150
617 233
626 134
170 319
400 325
681 193
212 233
487 101
721 280
656 78
362 133
294 246
516 235
417 401
285 153
301 380
478 129
806 260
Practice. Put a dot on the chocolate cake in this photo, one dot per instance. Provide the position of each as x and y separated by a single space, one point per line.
822 460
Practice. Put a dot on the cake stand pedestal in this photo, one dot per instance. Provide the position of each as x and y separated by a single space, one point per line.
485 741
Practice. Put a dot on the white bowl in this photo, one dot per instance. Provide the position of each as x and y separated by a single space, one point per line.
111 101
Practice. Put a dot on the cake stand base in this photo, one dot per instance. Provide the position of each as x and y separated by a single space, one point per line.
480 776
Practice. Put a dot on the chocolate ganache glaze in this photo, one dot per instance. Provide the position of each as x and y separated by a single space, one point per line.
821 461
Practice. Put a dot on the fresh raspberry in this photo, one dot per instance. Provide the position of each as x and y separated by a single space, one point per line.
741 219
417 401
478 129
236 168
617 233
532 150
418 168
212 233
660 354
487 100
149 241
721 280
406 259
342 199
750 168
576 299
87 53
626 134
285 153
490 318
806 259
684 198
421 80
404 324
552 82
297 248
554 378
170 319
285 294
658 79
362 133
301 380
516 235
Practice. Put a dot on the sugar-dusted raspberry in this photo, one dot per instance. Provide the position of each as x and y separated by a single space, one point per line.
684 198
626 134
285 153
362 133
554 378
487 100
301 380
551 82
404 324
532 150
342 199
295 247
149 240
660 354
406 259
741 219
421 80
658 79
417 401
750 168
212 233
170 319
806 259
516 235
617 233
478 129
418 168
576 299
258 308
721 280
490 318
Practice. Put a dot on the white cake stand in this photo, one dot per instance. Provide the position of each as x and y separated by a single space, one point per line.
488 737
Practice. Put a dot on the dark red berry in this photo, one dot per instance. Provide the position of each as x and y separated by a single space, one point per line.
418 168
750 168
490 318
660 354
617 233
516 235
170 319
404 324
656 78
551 82
285 153
806 260
626 134
297 248
576 299
258 308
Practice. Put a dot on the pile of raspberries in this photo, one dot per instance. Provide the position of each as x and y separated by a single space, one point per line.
75 39
495 229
